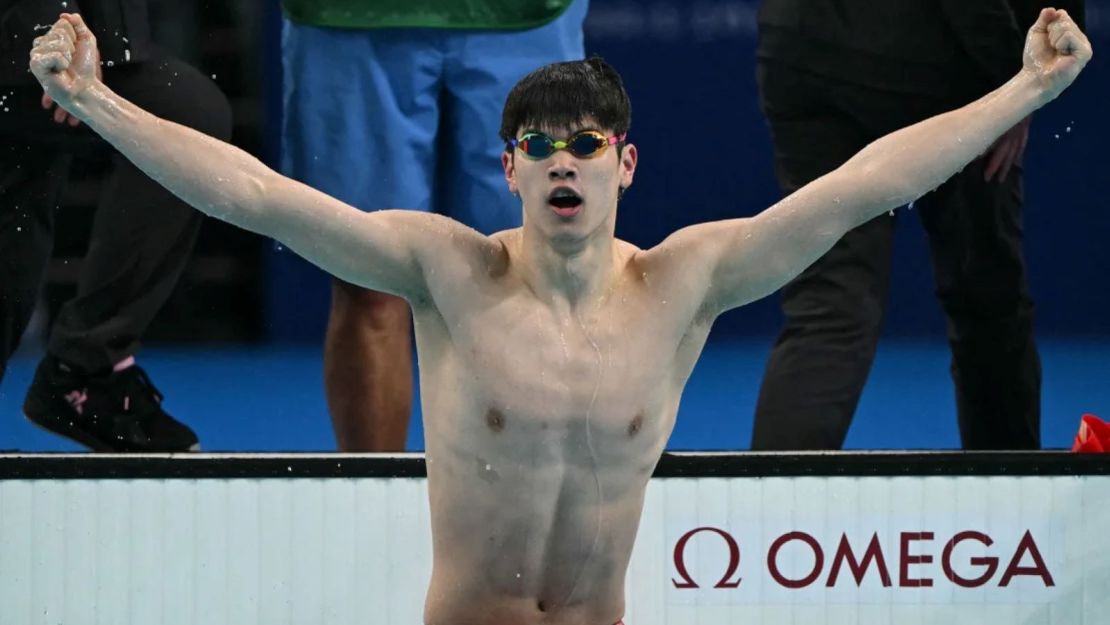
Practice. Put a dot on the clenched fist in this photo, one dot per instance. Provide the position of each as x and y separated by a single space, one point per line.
1055 51
65 60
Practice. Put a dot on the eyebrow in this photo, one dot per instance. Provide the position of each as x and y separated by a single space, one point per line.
572 133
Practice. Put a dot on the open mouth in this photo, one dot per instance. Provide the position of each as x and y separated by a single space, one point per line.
565 202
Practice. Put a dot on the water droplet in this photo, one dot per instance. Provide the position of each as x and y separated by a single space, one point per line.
19 228
1068 129
487 467
213 77
127 55
110 63
518 575
1057 135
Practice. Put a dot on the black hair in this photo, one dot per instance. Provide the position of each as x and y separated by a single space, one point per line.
563 95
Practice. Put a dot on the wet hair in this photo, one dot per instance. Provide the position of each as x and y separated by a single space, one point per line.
564 95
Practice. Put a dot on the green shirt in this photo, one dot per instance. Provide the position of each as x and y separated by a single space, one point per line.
477 14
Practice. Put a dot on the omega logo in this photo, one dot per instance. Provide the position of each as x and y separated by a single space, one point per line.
875 560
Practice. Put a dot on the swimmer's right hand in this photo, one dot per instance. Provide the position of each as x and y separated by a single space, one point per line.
65 60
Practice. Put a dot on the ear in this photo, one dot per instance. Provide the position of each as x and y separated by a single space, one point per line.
509 165
629 158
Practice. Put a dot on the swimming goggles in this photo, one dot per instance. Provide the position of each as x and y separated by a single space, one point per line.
584 144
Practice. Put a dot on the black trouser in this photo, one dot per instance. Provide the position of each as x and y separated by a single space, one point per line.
834 309
141 236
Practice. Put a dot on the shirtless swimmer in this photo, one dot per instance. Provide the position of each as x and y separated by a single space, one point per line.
552 356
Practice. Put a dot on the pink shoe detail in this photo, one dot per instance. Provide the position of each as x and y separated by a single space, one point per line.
77 399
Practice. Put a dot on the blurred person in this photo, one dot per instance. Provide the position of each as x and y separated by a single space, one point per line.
553 356
88 387
413 89
834 76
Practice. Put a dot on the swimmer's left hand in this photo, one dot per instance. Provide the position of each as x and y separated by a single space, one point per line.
1055 51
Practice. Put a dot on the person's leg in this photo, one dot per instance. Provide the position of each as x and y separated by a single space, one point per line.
975 236
368 369
834 309
820 361
142 234
32 176
479 76
88 387
360 124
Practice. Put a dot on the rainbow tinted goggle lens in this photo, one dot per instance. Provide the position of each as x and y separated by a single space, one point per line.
585 144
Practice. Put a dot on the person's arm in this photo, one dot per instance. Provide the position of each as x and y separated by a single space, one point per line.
380 250
737 261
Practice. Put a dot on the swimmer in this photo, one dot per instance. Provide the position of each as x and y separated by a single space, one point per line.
552 356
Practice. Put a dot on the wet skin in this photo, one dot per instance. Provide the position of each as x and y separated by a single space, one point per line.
542 429
552 356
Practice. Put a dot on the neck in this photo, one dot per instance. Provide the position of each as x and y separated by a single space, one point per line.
569 272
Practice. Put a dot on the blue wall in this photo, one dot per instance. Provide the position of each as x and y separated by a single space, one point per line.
689 68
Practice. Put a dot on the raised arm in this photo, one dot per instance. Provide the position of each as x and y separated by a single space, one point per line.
741 260
381 250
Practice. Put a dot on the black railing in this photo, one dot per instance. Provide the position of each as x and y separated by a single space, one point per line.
671 465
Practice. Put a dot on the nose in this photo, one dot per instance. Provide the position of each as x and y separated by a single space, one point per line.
562 169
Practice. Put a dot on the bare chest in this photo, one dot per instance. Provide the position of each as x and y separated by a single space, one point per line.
519 372
562 370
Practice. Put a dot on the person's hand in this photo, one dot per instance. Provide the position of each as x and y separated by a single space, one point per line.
66 63
1007 151
60 114
1055 51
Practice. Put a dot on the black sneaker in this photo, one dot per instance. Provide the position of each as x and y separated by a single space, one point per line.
118 411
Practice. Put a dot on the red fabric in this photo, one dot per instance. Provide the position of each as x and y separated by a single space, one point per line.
1093 436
